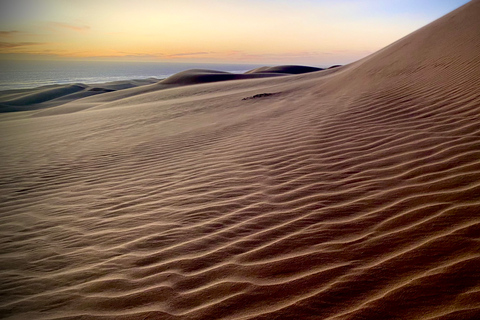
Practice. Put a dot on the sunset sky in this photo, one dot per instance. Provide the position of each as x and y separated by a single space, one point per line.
243 31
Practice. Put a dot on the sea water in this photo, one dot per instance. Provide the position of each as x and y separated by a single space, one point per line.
29 74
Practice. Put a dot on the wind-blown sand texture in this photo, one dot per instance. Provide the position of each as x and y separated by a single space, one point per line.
349 193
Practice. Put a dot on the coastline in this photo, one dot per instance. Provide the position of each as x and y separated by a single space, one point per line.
56 95
30 74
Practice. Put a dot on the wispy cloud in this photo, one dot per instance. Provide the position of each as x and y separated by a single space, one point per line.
323 58
127 56
156 55
9 45
139 54
183 54
7 34
68 26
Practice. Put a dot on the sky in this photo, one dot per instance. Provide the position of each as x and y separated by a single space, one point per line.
314 32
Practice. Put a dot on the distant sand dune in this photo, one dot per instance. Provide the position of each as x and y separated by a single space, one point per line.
76 95
284 69
55 95
351 193
196 76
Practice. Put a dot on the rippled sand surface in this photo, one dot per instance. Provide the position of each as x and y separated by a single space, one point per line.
349 193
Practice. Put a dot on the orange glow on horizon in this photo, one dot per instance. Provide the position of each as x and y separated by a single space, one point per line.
186 30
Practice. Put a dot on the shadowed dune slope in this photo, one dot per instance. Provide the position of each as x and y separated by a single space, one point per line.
54 95
350 193
197 76
288 69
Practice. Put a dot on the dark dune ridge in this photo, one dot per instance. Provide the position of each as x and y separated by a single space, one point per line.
196 76
350 193
52 96
288 69
55 95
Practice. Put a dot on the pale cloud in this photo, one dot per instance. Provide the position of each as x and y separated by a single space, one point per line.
9 45
184 54
7 34
317 58
61 25
321 58
138 54
117 33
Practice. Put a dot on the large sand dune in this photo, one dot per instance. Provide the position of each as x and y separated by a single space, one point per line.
348 193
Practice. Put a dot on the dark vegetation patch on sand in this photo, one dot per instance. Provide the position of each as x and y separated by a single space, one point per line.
260 95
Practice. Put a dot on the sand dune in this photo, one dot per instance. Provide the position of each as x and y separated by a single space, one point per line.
196 76
55 95
284 69
348 193
78 97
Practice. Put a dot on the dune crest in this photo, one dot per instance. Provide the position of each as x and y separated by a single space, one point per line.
350 193
79 97
55 95
288 69
196 76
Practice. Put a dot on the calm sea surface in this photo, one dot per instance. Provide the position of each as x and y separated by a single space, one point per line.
29 74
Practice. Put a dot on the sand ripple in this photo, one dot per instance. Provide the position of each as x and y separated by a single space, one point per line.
353 193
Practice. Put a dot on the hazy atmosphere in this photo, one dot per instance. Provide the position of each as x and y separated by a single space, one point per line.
243 31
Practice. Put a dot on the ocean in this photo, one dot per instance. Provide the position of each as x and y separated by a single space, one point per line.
30 74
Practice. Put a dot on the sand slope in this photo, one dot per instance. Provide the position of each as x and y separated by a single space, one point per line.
350 193
79 97
288 69
55 95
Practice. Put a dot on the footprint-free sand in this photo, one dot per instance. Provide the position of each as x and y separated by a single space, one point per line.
347 193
